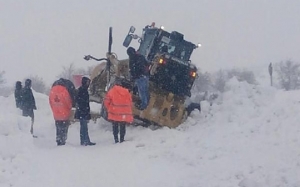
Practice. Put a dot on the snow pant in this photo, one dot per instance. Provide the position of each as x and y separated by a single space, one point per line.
116 126
30 113
142 84
62 131
84 134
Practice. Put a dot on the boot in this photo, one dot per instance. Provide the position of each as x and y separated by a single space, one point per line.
91 143
121 139
59 143
87 143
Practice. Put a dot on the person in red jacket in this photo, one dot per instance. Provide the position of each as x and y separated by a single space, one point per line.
61 99
118 103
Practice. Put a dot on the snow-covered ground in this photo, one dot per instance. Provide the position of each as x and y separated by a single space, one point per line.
249 138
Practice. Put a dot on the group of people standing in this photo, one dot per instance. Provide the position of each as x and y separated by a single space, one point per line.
25 100
63 96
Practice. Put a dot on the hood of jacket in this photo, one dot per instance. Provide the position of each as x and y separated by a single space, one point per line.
120 91
131 51
85 82
27 83
18 85
60 81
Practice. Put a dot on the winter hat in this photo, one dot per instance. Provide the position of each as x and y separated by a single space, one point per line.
130 51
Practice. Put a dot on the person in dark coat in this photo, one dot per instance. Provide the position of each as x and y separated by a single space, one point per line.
83 111
61 100
139 75
164 49
18 94
28 102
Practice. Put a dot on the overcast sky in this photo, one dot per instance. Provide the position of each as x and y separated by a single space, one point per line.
38 37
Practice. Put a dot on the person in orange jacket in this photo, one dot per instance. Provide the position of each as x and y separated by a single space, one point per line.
118 103
61 99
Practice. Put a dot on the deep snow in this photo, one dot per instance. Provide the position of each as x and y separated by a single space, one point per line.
250 137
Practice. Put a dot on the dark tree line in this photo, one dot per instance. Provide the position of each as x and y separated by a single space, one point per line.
216 82
38 83
288 74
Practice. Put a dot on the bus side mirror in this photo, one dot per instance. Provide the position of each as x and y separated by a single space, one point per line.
127 40
132 29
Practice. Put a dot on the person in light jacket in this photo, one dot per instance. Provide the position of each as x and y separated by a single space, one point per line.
61 99
118 103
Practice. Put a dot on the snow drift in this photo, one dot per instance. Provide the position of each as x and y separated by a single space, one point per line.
248 138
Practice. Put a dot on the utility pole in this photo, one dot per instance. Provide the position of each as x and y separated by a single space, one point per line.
271 72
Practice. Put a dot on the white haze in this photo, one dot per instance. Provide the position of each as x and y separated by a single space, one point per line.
38 37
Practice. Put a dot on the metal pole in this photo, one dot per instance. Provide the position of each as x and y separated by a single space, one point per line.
110 40
108 65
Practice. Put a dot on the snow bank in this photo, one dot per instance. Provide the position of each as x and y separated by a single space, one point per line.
15 142
248 138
